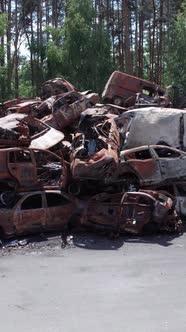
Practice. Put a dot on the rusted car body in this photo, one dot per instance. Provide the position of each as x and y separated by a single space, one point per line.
23 130
22 106
131 212
126 90
68 108
95 154
34 212
55 86
153 165
178 191
164 126
23 169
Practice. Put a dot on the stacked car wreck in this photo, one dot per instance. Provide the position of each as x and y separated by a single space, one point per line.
66 157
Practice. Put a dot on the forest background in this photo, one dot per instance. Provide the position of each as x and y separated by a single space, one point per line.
86 40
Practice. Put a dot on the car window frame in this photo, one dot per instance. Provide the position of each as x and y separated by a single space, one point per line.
54 193
22 199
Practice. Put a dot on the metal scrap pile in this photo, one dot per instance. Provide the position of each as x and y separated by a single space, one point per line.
65 160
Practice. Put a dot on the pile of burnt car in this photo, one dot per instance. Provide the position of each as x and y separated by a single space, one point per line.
65 157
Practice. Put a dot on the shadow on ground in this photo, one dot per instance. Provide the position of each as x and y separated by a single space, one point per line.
83 240
97 242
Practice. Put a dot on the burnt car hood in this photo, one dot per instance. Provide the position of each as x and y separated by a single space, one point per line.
100 165
46 138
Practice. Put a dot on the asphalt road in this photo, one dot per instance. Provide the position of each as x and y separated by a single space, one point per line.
127 285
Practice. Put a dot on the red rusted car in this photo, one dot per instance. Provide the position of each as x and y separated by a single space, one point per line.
25 169
127 90
25 106
34 212
152 165
68 107
131 212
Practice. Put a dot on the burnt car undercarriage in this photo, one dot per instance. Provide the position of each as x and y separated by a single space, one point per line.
65 140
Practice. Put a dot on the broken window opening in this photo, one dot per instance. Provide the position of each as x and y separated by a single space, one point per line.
32 202
20 157
167 153
56 200
143 154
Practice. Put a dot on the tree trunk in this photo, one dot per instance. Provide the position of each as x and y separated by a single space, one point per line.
16 57
2 61
9 62
126 22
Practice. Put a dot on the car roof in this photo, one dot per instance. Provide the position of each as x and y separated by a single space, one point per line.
40 192
161 111
152 146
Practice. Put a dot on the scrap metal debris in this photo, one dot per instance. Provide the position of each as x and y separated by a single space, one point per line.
131 212
69 162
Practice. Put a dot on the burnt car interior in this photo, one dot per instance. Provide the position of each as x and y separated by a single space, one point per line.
167 153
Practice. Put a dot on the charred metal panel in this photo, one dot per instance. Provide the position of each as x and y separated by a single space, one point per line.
95 148
131 212
121 89
55 86
32 169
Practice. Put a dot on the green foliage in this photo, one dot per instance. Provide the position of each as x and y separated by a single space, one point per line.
25 86
3 23
176 70
81 50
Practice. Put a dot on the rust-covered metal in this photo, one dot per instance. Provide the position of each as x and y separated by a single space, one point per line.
153 165
55 86
25 107
68 108
95 155
131 212
23 130
33 212
127 90
23 169
66 142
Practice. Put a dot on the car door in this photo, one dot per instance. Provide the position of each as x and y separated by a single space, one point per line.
172 163
145 166
30 214
22 167
59 209
103 212
136 211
